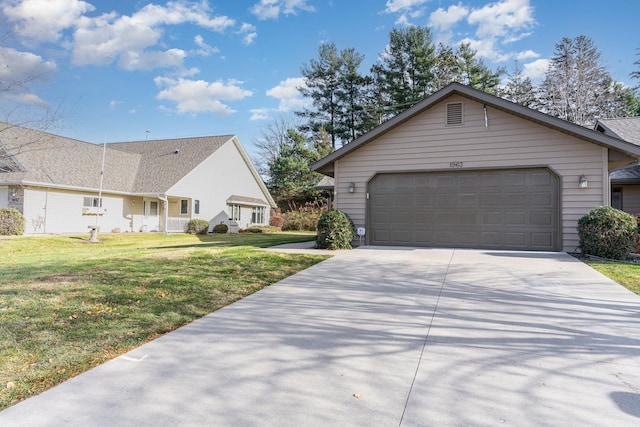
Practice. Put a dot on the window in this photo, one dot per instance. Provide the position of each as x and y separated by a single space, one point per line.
91 202
196 207
153 208
234 212
616 198
184 207
257 215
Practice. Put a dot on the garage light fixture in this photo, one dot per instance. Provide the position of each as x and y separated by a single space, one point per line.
352 187
583 181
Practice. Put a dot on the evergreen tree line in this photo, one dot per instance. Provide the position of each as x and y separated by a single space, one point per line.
345 103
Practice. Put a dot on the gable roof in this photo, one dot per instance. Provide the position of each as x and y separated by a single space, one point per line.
325 165
162 163
142 167
626 128
51 160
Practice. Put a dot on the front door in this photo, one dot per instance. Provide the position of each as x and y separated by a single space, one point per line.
151 215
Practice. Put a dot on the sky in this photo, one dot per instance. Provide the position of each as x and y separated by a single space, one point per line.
133 70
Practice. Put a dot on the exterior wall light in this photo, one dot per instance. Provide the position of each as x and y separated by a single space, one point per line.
583 181
352 187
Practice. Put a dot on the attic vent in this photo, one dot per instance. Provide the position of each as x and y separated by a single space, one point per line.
454 114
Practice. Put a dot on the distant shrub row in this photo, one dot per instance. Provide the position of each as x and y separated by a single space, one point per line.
12 222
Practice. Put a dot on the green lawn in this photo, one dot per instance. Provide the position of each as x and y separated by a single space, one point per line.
628 275
67 305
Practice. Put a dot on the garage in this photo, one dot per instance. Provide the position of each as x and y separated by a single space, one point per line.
514 209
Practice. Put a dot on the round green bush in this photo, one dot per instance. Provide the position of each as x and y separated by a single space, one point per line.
11 222
198 226
607 232
220 228
335 230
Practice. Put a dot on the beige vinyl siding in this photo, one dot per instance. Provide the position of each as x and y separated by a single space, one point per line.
424 143
60 211
630 198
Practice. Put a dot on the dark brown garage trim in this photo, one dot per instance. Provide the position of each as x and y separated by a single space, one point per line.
512 209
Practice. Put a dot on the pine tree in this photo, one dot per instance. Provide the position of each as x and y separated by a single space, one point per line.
577 87
519 89
322 78
404 70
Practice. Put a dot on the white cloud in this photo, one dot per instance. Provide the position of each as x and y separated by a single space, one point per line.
271 9
44 20
259 114
443 20
527 54
114 103
205 49
508 19
21 68
199 96
288 94
130 40
394 6
536 70
248 33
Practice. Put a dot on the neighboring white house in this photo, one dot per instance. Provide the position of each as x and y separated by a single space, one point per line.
463 168
155 185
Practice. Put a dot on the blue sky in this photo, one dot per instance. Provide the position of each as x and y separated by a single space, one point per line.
118 69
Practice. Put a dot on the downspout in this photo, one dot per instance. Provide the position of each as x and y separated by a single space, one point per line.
165 213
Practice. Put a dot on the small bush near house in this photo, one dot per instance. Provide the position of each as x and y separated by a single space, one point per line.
11 222
637 250
304 219
220 229
607 232
335 230
276 219
198 226
261 229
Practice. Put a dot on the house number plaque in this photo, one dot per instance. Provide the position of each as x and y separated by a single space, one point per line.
456 165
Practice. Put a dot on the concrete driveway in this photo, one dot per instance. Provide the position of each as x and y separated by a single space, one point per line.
383 337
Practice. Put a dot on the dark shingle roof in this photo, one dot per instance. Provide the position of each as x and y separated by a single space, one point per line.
132 167
626 128
165 162
49 159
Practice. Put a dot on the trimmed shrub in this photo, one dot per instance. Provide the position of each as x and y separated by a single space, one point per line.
637 251
12 222
220 229
607 232
335 230
198 226
261 229
304 219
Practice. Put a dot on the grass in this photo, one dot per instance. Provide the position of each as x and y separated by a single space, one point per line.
67 305
628 275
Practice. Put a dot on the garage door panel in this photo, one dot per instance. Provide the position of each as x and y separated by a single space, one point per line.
541 218
514 209
541 240
468 200
516 240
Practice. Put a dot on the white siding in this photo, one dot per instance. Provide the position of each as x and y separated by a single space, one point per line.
223 174
4 197
424 143
60 211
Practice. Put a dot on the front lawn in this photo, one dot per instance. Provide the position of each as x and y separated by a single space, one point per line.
628 275
67 305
